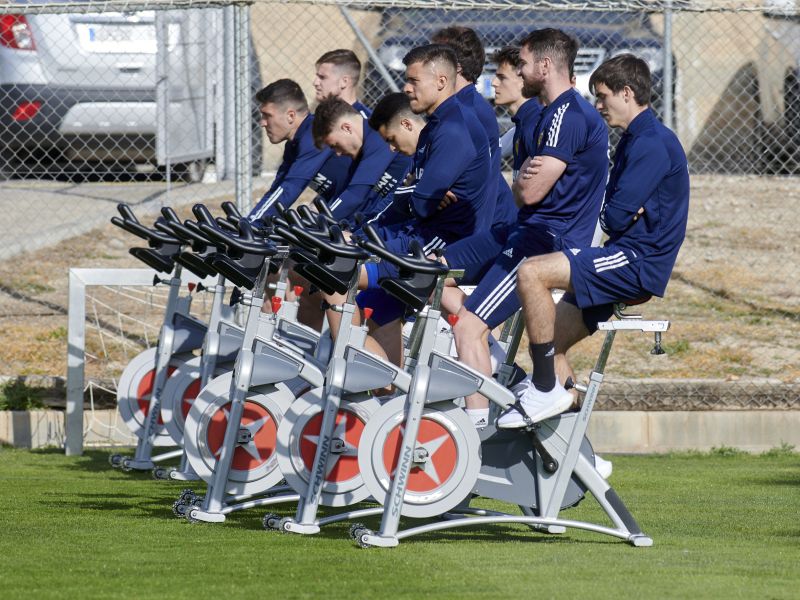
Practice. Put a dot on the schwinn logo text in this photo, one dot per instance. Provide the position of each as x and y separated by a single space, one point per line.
402 471
319 474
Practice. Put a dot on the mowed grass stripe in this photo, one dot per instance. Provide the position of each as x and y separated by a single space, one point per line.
725 525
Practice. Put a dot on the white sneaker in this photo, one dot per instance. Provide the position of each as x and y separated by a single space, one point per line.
603 466
520 388
537 405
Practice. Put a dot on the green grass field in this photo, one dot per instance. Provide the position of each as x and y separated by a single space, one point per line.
725 525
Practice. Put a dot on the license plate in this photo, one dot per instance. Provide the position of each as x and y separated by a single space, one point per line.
134 38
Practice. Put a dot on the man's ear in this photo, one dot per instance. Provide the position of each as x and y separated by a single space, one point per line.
406 123
291 115
627 94
346 126
441 81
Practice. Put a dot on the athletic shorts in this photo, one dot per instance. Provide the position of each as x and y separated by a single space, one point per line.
477 253
385 308
398 241
601 277
495 299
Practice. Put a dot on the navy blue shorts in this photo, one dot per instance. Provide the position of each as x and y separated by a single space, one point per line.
495 299
601 277
477 253
398 241
385 308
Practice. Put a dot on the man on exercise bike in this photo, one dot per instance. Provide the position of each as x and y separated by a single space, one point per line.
644 214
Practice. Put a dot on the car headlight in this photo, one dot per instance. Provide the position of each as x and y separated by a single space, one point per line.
392 57
654 57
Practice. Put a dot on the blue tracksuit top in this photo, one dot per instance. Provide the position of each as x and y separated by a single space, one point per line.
303 165
650 171
374 175
572 131
525 123
505 209
453 154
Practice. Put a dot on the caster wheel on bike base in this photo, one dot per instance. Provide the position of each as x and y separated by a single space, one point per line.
271 522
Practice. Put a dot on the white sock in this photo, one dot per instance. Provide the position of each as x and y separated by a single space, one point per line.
479 416
497 355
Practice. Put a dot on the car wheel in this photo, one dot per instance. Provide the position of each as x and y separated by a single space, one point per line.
190 172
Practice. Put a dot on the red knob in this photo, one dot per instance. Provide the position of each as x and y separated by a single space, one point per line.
452 319
367 313
298 290
276 303
191 287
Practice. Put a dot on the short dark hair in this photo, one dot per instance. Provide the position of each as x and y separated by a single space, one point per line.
622 70
283 92
509 55
559 46
468 48
430 53
345 59
390 107
328 112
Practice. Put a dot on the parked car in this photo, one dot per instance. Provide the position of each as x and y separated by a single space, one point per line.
80 89
779 87
601 35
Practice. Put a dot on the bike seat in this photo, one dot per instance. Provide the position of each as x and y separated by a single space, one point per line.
635 301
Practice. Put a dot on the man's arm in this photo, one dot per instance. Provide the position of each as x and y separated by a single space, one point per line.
287 189
449 155
536 182
646 165
368 173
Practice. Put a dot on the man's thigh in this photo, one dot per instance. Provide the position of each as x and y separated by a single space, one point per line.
476 254
495 298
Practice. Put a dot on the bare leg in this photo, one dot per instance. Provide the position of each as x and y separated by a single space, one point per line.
390 338
535 278
472 343
569 331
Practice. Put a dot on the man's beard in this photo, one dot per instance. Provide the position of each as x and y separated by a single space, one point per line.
532 89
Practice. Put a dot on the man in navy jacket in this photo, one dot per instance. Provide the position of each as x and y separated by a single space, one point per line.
644 213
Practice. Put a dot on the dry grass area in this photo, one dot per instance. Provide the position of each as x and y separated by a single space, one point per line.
734 300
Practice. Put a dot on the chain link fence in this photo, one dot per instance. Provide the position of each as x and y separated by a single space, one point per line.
150 103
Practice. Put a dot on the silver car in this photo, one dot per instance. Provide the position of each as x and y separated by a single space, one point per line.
80 89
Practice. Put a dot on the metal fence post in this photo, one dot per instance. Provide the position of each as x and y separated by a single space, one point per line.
76 341
668 83
242 110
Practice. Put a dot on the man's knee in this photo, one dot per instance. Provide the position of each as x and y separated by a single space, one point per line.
469 328
529 272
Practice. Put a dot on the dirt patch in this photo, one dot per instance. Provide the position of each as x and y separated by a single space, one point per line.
734 301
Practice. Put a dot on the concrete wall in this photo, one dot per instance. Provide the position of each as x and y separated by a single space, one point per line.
609 431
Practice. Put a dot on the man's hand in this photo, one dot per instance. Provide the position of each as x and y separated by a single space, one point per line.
534 166
449 198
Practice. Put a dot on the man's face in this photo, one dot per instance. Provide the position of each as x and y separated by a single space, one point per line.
422 87
507 85
530 70
345 139
277 121
401 134
327 81
612 107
